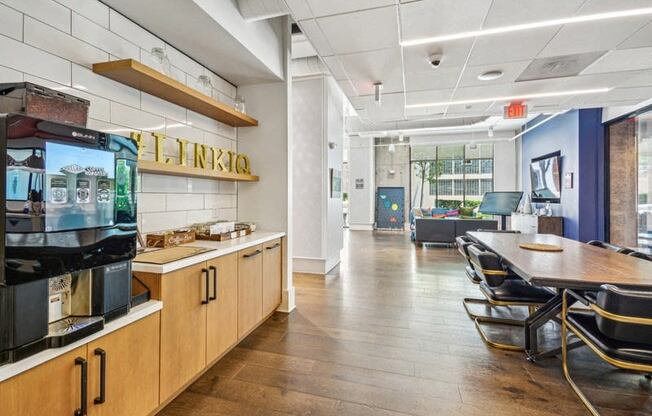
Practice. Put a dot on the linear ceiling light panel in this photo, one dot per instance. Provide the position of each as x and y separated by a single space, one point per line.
511 98
528 26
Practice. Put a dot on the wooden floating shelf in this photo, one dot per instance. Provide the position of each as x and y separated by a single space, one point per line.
150 166
134 74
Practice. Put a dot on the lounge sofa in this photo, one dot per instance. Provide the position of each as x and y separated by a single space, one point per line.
444 230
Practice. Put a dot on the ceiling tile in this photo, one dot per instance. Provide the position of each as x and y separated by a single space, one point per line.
607 80
513 12
361 31
366 68
454 54
507 47
601 6
326 8
434 79
639 39
636 93
593 36
312 31
335 67
430 96
511 71
299 9
644 78
622 60
428 18
392 108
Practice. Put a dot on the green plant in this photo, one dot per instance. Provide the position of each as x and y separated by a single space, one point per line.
345 196
472 203
449 203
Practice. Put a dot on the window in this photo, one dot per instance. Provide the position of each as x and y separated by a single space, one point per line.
458 187
445 187
487 166
473 166
486 185
450 175
472 187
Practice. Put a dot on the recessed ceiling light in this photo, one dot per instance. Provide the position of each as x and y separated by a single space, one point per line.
528 26
511 97
490 75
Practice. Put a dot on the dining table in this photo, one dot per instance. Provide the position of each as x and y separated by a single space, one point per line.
572 265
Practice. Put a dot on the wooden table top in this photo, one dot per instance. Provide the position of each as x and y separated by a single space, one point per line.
578 266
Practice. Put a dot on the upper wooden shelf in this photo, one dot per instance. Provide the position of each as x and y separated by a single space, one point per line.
150 166
133 73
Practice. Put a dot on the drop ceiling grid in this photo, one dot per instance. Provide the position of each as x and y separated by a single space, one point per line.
360 43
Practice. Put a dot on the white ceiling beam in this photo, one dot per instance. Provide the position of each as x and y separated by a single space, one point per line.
254 10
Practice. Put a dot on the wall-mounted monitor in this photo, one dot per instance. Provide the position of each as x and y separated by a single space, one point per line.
545 177
500 203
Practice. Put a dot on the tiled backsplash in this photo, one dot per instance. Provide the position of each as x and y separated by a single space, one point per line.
45 42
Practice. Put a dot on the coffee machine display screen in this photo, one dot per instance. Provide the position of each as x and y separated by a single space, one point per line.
79 187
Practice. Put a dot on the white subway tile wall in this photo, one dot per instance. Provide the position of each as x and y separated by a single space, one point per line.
54 43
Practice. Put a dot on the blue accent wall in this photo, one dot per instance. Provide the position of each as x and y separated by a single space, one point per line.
578 135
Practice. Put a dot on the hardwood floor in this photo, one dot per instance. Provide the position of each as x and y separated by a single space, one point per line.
387 335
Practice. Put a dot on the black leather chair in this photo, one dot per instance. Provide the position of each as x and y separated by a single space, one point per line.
463 243
618 328
500 287
608 246
640 255
500 231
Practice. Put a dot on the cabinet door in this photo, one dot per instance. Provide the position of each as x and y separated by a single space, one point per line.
183 327
52 388
250 289
131 376
222 311
271 276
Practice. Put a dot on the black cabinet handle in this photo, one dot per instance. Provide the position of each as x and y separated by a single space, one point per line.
83 411
273 247
207 282
254 254
214 270
102 397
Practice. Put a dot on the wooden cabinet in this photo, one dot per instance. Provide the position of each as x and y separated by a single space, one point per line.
183 327
250 289
52 388
131 372
222 311
271 276
131 376
537 224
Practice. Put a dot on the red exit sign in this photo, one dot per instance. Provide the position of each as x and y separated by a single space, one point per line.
515 110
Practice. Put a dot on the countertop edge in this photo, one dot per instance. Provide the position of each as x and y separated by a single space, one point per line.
137 313
258 237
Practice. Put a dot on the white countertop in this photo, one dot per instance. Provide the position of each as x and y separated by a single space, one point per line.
135 314
220 248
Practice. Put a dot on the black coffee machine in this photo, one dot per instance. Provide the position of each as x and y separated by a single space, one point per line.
69 228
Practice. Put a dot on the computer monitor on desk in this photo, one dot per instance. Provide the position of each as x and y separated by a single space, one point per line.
501 204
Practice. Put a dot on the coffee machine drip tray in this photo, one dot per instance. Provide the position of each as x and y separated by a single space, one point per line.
73 328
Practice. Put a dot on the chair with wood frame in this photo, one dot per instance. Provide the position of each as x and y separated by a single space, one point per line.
640 255
463 243
617 328
608 246
500 287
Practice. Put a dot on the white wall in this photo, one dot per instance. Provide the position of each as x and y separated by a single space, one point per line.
269 146
334 134
47 43
318 118
309 165
506 166
362 166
